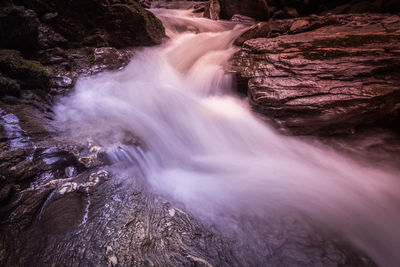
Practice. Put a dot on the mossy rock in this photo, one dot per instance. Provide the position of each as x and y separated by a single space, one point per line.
29 73
118 23
9 87
95 40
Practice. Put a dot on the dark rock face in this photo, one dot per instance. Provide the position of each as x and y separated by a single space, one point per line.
282 9
19 28
66 65
118 23
257 9
53 42
328 80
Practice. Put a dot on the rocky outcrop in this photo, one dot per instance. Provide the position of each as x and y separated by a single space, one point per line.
259 30
50 43
226 9
325 78
281 9
118 23
212 10
28 73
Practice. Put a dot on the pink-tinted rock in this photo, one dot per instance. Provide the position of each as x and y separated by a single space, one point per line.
327 80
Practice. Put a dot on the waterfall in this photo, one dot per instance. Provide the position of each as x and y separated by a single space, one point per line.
202 146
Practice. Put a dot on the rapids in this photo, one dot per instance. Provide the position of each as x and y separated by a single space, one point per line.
201 146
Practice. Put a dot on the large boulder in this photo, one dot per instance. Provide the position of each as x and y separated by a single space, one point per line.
118 23
28 73
326 80
18 28
257 9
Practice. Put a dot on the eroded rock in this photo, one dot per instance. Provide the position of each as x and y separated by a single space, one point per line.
212 10
328 80
259 30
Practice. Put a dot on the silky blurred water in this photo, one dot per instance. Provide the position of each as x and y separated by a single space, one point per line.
204 148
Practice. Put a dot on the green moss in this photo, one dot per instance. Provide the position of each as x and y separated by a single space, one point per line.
29 73
152 22
9 87
94 40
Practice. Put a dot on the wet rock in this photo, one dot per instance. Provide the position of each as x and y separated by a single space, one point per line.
325 81
49 38
201 7
112 259
9 87
66 65
49 16
299 24
145 3
95 157
70 171
62 214
243 20
259 30
119 222
257 9
212 10
122 22
5 192
304 24
16 137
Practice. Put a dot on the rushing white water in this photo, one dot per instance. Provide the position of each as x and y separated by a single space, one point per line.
205 149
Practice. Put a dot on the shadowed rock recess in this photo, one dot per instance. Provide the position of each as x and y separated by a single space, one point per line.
62 203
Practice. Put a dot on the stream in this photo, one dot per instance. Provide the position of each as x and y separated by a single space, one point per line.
172 118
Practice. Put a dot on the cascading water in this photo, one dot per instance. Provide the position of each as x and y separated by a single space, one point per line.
202 147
